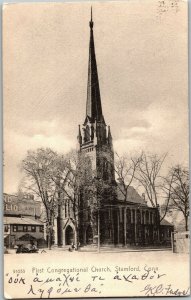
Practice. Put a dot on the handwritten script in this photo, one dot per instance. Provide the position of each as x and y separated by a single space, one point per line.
92 285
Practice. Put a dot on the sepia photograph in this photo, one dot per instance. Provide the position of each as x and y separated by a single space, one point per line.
96 149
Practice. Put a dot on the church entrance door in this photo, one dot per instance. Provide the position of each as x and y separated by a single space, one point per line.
89 235
69 235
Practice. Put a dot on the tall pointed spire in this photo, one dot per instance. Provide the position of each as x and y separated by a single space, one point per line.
91 20
93 104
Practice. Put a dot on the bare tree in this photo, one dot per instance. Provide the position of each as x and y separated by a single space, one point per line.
149 176
37 166
176 188
125 169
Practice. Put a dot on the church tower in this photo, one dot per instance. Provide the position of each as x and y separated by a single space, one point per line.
96 148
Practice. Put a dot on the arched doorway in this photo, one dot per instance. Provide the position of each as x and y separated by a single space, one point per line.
89 235
69 235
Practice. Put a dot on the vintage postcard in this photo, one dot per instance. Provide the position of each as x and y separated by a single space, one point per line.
96 176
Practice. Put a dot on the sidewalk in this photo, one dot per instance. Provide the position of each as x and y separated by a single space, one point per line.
105 249
125 249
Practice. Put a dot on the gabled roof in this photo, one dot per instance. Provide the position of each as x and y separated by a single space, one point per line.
21 221
132 195
165 223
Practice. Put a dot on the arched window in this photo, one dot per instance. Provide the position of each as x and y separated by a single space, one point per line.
68 208
133 216
105 170
87 133
92 132
138 217
65 209
147 217
89 235
151 218
128 216
69 235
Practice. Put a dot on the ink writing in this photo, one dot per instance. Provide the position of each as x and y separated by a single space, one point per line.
162 290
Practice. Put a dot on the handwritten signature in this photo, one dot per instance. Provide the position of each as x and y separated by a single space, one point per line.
163 290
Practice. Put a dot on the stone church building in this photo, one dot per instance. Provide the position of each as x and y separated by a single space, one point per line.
104 216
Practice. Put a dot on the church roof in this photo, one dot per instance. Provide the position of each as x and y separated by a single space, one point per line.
166 223
132 195
93 104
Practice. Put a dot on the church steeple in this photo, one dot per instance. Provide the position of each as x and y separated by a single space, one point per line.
94 129
93 104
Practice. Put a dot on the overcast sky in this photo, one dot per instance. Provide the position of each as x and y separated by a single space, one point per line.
142 68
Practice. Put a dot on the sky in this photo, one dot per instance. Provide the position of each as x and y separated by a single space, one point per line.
141 51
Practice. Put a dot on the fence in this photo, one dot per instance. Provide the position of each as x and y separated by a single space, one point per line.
180 242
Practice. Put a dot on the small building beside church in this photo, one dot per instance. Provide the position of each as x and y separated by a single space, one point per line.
102 210
22 221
